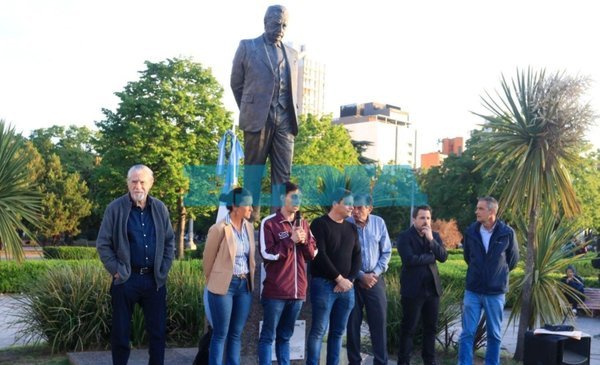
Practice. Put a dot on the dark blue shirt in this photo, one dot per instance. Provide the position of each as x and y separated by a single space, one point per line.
141 235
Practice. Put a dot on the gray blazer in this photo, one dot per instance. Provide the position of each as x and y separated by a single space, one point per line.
253 83
113 245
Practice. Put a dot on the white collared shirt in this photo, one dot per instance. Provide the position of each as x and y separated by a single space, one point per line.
486 235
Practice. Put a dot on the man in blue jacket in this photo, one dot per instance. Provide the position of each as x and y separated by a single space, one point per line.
491 252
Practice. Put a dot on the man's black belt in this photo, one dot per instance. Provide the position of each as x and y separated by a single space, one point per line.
142 270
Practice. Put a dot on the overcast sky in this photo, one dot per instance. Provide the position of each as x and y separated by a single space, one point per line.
62 61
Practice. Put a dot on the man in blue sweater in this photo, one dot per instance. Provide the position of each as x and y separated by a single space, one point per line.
491 252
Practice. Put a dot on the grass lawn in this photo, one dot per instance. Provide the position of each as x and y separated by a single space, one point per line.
34 354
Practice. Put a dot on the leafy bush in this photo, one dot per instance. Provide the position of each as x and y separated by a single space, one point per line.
70 252
394 312
68 307
185 309
449 314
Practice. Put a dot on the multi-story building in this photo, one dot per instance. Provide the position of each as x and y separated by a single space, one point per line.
452 146
386 126
432 159
311 84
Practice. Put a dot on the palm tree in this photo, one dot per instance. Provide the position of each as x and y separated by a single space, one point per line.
19 201
535 131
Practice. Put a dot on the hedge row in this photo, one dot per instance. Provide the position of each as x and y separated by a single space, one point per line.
14 277
70 252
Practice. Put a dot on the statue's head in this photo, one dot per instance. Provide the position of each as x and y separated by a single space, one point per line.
276 19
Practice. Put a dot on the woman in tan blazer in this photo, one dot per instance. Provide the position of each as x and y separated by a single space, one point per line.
229 270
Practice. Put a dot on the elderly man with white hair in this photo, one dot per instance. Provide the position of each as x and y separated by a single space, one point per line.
136 245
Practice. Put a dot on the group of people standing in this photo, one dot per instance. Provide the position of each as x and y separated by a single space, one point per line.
347 251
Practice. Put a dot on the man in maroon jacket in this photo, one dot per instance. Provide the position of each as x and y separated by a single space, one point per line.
285 245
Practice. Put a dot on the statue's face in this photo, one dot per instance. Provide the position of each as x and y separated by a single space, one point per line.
275 26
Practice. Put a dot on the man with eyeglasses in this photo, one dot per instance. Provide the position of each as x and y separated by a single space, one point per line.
285 245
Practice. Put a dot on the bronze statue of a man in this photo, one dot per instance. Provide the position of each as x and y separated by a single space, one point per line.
263 79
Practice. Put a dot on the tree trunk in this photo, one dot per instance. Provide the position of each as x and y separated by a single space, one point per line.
526 294
181 228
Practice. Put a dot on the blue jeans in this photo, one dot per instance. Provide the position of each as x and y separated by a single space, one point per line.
328 309
493 306
279 320
229 314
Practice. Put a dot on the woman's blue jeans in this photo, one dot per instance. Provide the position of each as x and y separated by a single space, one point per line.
229 314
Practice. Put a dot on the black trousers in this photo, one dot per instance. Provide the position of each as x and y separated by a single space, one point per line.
374 301
138 289
275 141
413 309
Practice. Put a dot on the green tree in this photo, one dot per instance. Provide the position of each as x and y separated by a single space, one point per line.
172 117
74 147
535 131
586 181
319 142
20 204
453 187
64 204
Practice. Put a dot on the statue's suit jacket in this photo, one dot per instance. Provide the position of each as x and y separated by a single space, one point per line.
253 83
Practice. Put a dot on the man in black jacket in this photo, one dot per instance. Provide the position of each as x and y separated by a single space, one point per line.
419 248
491 251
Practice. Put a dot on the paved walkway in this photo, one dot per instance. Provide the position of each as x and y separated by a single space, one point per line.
177 356
30 252
588 325
8 331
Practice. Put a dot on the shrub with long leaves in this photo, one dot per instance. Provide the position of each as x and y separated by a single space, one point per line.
69 307
548 292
